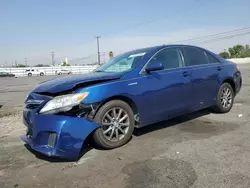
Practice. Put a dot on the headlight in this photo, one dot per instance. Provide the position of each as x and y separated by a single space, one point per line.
63 103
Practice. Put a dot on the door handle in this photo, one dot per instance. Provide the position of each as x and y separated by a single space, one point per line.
185 74
219 68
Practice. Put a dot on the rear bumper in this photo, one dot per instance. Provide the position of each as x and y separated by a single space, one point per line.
54 135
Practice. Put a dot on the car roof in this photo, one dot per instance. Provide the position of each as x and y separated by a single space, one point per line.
159 47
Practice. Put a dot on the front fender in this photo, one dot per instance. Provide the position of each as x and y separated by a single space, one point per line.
102 92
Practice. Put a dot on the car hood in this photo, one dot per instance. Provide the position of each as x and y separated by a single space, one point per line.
73 82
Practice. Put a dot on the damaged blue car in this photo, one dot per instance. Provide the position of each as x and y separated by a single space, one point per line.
134 89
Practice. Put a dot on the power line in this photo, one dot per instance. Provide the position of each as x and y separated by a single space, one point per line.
159 18
223 38
213 35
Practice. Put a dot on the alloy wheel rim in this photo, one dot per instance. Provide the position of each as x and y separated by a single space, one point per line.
115 124
226 97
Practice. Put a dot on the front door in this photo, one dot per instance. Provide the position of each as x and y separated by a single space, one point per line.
166 92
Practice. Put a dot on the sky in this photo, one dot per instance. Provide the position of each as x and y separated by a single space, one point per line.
33 29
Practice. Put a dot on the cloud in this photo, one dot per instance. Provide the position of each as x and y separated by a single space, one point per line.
121 44
87 53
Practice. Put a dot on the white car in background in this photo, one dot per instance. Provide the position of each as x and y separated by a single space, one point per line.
31 72
63 71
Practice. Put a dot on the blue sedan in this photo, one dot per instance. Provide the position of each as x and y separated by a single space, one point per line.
134 89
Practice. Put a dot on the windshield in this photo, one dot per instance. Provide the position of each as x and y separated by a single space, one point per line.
122 63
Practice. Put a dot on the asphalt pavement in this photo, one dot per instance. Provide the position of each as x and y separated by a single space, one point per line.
14 90
201 149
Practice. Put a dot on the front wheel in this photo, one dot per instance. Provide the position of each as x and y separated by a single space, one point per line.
225 98
117 122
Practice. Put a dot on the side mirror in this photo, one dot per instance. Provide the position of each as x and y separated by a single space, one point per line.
154 66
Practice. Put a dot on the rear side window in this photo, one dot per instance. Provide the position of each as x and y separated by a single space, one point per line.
195 56
211 59
170 58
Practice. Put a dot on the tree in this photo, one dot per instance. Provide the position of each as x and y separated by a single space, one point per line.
224 55
41 65
236 51
21 65
246 52
65 64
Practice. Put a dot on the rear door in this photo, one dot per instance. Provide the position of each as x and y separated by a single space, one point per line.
205 75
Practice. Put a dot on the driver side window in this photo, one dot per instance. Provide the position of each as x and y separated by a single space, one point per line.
170 58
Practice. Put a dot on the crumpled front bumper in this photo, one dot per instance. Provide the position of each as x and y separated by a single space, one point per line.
55 135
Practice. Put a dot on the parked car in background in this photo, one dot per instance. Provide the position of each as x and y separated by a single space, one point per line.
63 71
134 89
31 72
6 74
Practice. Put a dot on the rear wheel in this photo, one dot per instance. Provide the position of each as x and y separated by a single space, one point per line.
29 74
41 74
117 122
225 98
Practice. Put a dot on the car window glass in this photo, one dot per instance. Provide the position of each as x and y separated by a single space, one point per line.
195 56
211 59
170 58
124 64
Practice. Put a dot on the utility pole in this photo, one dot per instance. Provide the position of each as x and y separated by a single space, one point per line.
53 58
16 63
25 59
98 50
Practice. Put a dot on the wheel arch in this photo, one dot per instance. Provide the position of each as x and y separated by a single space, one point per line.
231 82
123 98
126 99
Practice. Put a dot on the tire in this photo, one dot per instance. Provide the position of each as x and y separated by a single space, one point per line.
29 74
41 74
103 140
224 108
59 73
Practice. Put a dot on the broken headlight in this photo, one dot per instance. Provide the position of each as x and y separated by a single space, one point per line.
63 103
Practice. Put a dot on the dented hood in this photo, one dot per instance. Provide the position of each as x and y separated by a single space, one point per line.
71 82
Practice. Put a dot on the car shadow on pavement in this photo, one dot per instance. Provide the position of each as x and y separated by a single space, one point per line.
170 122
88 144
